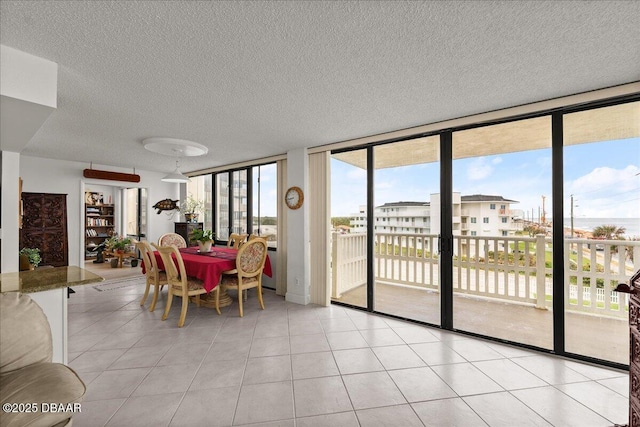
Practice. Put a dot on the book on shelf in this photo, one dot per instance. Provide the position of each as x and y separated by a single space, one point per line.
98 222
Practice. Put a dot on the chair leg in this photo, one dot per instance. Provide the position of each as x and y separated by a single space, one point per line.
183 313
217 290
259 288
168 307
240 302
146 293
156 291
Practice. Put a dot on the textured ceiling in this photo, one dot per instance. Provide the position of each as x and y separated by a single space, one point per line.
254 79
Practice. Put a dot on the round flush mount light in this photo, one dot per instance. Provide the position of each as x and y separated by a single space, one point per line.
171 146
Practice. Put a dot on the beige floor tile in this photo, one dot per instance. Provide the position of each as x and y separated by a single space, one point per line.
248 370
319 396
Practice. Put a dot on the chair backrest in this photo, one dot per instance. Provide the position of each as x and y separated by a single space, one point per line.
149 259
251 258
176 276
25 334
236 240
174 239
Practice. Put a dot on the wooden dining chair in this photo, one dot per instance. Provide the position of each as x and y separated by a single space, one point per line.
236 240
181 285
175 239
155 277
248 272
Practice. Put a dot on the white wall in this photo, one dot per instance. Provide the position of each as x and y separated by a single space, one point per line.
28 95
28 77
10 167
298 258
41 175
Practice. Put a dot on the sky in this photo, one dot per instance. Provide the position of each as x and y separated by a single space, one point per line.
604 178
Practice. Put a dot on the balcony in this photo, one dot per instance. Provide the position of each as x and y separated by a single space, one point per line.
501 276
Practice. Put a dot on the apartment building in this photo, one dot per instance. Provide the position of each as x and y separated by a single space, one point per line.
483 215
477 215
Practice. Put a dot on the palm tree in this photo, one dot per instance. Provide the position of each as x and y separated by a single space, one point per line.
609 232
630 251
535 229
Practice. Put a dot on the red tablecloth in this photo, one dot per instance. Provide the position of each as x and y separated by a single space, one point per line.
208 267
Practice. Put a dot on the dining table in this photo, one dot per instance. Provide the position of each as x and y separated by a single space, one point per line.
209 267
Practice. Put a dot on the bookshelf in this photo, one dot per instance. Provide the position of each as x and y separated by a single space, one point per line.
99 226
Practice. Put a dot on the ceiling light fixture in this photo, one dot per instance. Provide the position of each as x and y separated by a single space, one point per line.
177 147
168 146
176 175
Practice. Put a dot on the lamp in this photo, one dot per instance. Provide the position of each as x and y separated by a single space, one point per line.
176 175
178 147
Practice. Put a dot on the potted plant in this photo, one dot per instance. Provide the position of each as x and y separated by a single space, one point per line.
190 208
117 244
204 239
32 255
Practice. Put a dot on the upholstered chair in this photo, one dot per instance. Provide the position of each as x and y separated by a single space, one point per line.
236 240
27 374
174 239
180 285
248 272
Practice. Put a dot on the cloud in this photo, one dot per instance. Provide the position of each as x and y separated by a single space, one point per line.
384 185
605 193
544 161
357 174
479 169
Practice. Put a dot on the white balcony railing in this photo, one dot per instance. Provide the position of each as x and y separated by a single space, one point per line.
514 269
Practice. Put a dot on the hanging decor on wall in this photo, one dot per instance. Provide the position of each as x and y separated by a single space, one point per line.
166 205
111 176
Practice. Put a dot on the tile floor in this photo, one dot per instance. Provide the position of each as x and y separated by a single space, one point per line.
292 365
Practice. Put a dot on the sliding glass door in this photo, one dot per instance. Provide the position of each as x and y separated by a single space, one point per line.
502 277
519 231
601 227
349 220
406 228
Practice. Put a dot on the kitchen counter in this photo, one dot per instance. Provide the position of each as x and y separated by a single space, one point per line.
46 279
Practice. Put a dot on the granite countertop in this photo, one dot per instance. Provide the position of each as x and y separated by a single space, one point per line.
46 279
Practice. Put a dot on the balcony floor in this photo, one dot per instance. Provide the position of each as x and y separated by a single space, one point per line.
594 336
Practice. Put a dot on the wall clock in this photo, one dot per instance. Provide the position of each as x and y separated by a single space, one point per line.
294 197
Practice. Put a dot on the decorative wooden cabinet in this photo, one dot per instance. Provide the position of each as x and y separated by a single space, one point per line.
44 226
633 289
185 228
99 226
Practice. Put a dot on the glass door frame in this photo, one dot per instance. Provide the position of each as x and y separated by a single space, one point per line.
369 148
446 236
